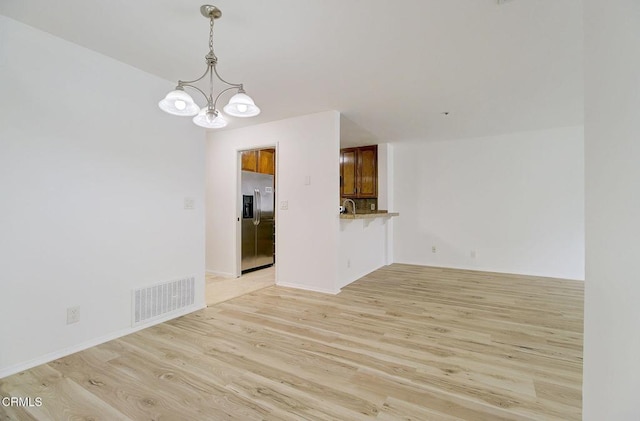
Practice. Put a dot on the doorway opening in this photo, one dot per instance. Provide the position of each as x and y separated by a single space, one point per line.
257 196
256 252
223 287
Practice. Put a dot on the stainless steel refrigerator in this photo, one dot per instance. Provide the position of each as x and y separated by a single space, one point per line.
258 222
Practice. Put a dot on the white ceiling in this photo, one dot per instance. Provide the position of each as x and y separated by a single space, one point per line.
390 67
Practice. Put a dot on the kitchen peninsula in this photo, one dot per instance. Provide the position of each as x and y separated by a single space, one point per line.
365 232
370 215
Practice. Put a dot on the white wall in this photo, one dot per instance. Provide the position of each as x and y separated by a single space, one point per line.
384 175
92 182
516 200
306 233
612 151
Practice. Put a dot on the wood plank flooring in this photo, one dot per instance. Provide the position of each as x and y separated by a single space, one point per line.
403 343
219 289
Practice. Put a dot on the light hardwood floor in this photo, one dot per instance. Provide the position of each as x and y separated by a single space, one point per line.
403 343
219 289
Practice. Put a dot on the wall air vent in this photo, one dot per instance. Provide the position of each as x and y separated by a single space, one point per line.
160 300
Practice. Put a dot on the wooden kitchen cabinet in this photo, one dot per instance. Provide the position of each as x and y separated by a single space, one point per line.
250 161
262 161
348 172
266 161
359 172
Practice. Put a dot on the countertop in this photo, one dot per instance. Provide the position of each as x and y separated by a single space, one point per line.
369 215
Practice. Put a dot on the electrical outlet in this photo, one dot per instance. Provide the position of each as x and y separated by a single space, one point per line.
348 263
73 315
433 249
473 254
373 206
284 205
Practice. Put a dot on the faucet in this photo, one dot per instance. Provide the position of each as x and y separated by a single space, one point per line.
353 205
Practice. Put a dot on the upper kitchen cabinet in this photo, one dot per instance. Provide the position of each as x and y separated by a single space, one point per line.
359 172
262 161
266 161
250 161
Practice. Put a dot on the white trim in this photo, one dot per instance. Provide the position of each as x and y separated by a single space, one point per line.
47 358
489 270
308 288
222 274
238 198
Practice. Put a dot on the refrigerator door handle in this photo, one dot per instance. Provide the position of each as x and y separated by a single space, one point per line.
259 205
255 207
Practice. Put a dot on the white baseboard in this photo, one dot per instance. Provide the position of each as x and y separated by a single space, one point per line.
308 288
352 278
476 268
221 274
47 358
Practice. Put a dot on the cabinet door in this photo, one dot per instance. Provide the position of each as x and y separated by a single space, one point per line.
348 172
250 161
367 174
266 161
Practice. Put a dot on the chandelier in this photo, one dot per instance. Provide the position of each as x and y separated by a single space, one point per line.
178 102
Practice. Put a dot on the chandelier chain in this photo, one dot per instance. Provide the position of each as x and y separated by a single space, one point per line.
211 35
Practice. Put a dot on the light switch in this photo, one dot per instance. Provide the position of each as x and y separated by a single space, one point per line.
307 180
284 205
189 203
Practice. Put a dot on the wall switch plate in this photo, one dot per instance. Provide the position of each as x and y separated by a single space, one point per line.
73 315
473 254
189 203
307 180
433 249
284 205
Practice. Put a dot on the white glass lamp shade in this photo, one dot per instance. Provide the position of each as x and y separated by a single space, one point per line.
209 119
241 105
180 103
